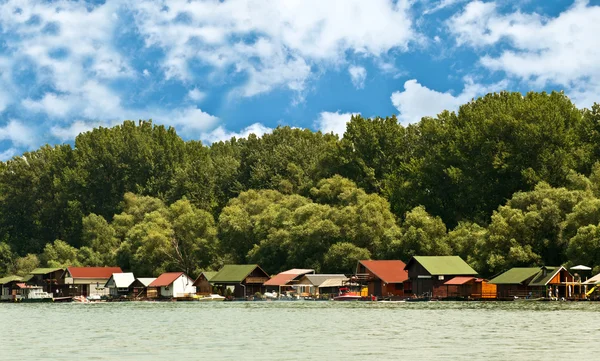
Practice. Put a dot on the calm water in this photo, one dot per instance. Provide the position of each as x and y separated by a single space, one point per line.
300 331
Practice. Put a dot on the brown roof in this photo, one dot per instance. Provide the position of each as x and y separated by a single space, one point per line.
165 279
460 280
389 271
93 272
285 277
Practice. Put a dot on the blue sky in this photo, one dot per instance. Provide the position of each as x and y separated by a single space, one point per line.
216 69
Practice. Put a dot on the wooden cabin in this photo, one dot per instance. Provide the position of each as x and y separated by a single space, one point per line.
173 285
86 281
47 278
243 280
385 278
202 283
533 282
284 281
470 288
8 287
310 284
119 284
428 274
141 288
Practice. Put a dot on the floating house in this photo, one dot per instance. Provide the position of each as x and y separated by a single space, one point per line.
140 287
533 282
119 284
286 279
202 283
8 285
243 280
384 278
467 287
86 281
311 284
47 278
173 285
428 274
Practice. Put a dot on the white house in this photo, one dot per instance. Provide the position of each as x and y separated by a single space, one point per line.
119 284
87 281
174 285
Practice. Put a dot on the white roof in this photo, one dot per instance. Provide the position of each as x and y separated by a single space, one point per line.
333 282
146 281
120 280
297 271
581 268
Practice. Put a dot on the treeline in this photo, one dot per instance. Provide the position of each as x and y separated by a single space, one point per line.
508 180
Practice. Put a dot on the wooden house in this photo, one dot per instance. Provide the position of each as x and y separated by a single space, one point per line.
174 285
8 286
286 279
47 278
468 287
243 280
310 284
119 284
87 281
532 282
384 278
428 274
140 287
202 283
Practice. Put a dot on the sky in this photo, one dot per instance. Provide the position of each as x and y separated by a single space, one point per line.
217 69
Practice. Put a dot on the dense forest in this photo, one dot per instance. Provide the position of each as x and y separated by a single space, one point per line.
507 180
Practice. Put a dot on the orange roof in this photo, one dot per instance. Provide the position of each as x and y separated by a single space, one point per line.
460 280
165 279
93 272
283 278
389 271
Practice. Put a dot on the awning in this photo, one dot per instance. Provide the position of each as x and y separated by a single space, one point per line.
581 268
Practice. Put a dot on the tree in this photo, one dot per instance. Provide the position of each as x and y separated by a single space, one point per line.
100 240
342 257
6 259
60 254
24 265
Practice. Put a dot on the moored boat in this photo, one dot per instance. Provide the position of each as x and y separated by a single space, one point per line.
211 297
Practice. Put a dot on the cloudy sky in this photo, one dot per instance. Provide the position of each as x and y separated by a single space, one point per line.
216 69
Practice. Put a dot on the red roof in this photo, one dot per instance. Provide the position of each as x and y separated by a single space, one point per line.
285 277
93 272
389 271
460 280
165 279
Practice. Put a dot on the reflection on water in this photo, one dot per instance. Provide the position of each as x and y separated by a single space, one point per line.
299 331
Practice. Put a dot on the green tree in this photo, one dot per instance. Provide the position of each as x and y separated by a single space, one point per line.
342 257
60 254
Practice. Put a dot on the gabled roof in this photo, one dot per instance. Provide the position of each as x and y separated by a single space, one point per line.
516 275
146 281
120 280
318 279
11 278
443 265
285 277
333 282
207 274
542 280
93 272
166 279
389 271
45 271
235 273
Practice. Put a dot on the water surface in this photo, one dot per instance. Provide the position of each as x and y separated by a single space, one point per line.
299 331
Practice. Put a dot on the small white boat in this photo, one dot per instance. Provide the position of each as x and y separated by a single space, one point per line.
271 295
211 297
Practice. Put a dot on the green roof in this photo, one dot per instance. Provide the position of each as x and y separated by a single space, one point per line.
515 275
541 280
444 265
209 274
44 271
27 278
233 273
11 278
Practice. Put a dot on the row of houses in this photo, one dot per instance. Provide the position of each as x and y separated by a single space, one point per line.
440 277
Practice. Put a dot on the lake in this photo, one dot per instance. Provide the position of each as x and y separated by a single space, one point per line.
300 330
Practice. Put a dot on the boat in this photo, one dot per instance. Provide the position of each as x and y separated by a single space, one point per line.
271 295
347 295
80 299
211 297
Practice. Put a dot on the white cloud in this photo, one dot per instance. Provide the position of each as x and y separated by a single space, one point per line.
442 4
330 122
196 95
560 50
289 38
51 104
71 131
358 74
417 101
19 134
7 154
221 134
